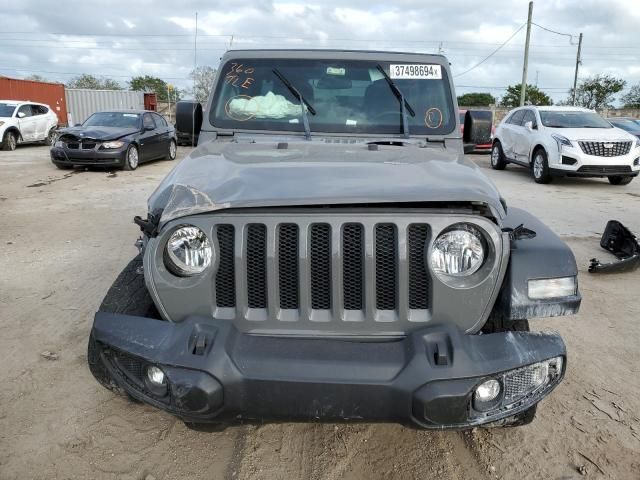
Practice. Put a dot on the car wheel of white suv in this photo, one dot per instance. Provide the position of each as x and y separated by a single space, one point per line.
9 141
620 180
540 167
498 162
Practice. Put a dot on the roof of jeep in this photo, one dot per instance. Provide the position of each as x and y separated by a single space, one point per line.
317 52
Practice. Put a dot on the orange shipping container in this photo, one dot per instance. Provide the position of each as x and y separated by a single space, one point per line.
31 91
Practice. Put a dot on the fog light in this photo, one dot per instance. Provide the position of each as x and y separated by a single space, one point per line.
487 391
155 376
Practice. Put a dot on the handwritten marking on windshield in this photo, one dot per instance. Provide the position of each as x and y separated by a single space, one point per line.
239 76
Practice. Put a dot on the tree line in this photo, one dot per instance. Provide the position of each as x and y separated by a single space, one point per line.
595 92
202 78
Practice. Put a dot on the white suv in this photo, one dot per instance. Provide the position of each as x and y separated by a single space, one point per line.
565 141
23 122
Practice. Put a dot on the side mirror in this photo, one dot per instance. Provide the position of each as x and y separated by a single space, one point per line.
21 114
78 125
148 128
477 127
528 126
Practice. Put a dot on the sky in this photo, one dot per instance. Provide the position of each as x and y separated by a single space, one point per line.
120 39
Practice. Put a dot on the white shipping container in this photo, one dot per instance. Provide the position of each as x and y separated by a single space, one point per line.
84 102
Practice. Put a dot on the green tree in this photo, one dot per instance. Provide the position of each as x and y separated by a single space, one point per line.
533 96
632 98
92 82
203 78
597 92
164 92
476 99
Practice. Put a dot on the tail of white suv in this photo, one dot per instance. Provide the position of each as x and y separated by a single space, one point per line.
25 122
565 141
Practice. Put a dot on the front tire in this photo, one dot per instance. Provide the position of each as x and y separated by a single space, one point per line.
128 296
498 160
620 180
131 158
9 142
540 167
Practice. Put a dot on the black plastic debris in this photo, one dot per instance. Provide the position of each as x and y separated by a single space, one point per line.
618 240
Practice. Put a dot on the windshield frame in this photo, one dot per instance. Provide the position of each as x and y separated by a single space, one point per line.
371 59
7 104
548 123
138 115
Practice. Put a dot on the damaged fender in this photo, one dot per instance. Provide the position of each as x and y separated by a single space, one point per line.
540 256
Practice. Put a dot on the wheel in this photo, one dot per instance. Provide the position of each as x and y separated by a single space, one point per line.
540 167
51 137
620 180
498 161
9 142
131 158
173 150
128 295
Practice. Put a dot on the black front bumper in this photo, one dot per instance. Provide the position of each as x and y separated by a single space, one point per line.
215 372
97 157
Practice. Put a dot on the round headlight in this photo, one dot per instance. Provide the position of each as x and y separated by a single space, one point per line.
458 252
188 251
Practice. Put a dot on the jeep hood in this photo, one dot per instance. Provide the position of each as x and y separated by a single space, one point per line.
99 133
218 176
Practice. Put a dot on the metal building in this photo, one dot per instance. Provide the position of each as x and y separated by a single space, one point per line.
82 103
51 94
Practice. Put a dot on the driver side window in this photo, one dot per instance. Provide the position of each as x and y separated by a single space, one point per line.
148 122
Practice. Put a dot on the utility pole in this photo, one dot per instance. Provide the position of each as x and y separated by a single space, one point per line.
575 77
523 87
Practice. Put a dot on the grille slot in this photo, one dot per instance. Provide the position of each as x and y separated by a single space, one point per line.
604 169
225 276
288 265
419 280
599 149
353 266
320 259
386 251
257 266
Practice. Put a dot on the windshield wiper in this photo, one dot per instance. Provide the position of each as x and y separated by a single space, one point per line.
303 101
404 105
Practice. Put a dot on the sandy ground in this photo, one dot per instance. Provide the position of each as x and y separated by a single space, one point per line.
65 236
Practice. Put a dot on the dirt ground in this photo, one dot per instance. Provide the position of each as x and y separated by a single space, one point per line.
64 237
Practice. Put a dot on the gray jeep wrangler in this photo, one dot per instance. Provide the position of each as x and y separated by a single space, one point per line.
328 253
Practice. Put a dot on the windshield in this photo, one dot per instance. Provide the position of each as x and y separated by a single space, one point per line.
628 124
113 119
350 96
6 109
576 119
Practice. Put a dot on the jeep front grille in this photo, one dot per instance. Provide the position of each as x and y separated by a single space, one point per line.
605 149
321 268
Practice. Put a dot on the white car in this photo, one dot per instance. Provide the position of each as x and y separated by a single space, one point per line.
24 122
565 141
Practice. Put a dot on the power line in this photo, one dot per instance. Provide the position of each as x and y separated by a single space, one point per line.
553 31
492 53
